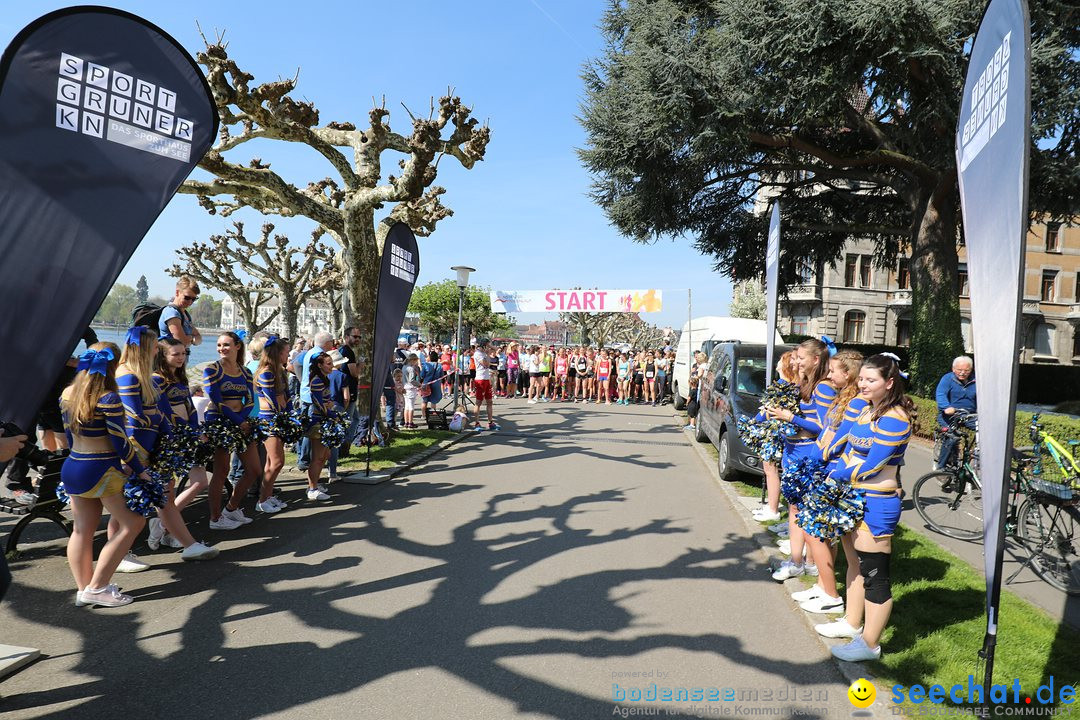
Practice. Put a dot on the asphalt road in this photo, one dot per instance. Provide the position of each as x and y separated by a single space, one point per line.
520 574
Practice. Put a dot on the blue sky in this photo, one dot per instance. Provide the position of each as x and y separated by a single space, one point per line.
521 217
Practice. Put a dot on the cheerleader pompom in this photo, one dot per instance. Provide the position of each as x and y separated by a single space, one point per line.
332 429
174 454
782 395
223 434
831 509
798 477
144 497
289 426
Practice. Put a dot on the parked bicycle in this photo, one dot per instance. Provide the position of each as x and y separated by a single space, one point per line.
1043 513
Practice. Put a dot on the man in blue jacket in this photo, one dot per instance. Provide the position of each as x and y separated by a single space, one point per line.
955 393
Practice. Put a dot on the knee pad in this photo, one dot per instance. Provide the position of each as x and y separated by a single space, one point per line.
874 568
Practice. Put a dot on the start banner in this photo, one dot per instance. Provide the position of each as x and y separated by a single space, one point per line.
628 301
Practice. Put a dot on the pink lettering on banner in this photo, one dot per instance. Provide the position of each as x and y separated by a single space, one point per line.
550 300
587 301
601 294
574 303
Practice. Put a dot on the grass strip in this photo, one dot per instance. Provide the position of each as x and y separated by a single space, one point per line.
403 445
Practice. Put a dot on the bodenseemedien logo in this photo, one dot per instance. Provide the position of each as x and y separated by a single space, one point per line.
104 103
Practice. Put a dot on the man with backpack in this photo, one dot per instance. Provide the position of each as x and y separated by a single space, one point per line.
175 320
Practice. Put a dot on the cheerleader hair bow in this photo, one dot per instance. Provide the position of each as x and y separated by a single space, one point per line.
96 361
829 344
271 339
134 335
896 360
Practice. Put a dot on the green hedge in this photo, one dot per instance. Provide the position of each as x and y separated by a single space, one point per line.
1061 427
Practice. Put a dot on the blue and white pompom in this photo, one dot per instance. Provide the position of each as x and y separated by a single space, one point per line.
831 508
332 429
223 434
61 494
289 426
174 454
144 497
796 478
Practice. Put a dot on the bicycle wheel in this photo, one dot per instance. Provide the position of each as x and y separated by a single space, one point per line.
950 503
1052 536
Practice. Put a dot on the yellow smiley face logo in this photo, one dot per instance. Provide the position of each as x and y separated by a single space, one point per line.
862 693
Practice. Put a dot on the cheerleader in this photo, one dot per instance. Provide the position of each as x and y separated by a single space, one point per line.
170 382
873 452
846 407
786 372
144 418
812 357
93 475
231 391
272 385
319 409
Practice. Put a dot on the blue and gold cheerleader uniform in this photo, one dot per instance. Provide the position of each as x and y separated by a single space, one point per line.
221 388
97 475
269 404
177 395
143 423
831 441
871 447
812 419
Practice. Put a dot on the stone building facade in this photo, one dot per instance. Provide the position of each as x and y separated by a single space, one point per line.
853 300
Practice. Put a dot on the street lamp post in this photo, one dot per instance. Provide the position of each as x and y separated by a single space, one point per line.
462 283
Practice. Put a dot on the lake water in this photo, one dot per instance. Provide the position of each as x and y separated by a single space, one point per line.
207 352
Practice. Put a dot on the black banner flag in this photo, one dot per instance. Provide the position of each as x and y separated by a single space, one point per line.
992 145
102 116
400 267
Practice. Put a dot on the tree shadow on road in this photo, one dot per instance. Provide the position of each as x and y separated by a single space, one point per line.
217 666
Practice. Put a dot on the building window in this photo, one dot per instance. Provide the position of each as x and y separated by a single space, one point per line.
857 271
854 322
962 279
903 332
1053 237
800 324
1076 342
1044 339
965 333
903 274
1049 280
804 269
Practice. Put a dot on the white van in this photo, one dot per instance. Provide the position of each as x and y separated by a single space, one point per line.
703 334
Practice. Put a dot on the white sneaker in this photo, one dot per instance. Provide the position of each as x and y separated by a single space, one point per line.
766 516
317 494
236 515
131 564
531 402
333 477
322 486
26 498
198 551
810 568
169 541
808 594
157 531
280 505
837 629
269 507
824 605
109 596
787 570
224 523
785 546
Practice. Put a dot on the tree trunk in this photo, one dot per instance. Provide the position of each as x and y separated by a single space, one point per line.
288 313
935 307
363 255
